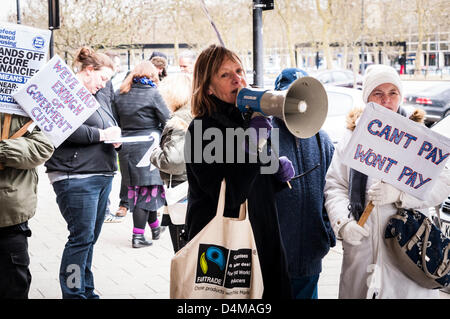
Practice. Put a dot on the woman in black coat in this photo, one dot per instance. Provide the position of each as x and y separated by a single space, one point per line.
140 111
218 74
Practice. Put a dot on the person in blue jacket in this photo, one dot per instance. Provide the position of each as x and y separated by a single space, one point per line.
305 230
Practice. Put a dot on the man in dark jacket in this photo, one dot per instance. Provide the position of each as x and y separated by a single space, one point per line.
19 158
305 229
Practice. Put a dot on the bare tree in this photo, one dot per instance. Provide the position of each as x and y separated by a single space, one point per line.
327 18
315 23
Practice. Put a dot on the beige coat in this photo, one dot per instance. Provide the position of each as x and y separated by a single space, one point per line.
168 157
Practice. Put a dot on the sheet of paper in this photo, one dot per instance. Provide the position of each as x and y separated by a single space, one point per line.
131 139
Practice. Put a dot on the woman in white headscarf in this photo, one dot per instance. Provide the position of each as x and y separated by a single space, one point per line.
367 270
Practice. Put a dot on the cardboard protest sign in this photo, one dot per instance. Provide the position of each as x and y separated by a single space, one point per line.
443 127
56 100
401 152
23 51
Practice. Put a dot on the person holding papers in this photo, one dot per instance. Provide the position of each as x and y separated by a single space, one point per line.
81 171
141 111
367 270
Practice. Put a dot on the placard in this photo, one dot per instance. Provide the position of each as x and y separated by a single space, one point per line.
56 100
397 150
23 51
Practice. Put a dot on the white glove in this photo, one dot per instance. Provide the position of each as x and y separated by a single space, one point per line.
382 193
352 233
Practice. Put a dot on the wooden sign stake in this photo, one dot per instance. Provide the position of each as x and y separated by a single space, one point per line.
7 126
362 220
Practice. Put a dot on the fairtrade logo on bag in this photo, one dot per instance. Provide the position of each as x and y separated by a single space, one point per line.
223 267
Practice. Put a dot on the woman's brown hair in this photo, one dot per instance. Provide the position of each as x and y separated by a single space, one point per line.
145 68
208 64
85 57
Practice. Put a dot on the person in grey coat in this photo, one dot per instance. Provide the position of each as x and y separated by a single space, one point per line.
176 90
140 110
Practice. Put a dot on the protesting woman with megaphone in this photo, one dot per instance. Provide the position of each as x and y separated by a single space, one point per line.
218 75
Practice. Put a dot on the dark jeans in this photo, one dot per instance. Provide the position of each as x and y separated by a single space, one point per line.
305 287
15 277
82 203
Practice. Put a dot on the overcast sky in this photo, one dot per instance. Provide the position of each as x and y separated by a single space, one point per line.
10 6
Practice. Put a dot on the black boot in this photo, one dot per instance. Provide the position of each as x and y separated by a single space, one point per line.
139 240
157 231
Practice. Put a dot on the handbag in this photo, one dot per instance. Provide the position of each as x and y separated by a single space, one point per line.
176 198
419 248
220 262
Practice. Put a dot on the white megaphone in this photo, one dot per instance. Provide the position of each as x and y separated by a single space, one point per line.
303 107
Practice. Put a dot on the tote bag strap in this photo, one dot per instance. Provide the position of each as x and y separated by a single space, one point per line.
170 181
221 202
221 205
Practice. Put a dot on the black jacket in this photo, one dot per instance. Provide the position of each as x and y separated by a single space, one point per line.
82 152
141 111
244 181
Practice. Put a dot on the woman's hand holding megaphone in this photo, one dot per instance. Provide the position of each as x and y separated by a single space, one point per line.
262 127
285 170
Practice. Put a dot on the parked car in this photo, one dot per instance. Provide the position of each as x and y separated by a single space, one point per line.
435 100
340 101
344 78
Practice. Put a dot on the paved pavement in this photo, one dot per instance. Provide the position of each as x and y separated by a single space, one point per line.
120 271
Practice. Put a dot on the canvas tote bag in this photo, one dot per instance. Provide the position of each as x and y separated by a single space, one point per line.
220 262
176 198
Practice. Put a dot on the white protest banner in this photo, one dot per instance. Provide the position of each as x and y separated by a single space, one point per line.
401 152
56 101
443 127
23 51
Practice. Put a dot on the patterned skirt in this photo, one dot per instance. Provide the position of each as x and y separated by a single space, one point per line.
150 197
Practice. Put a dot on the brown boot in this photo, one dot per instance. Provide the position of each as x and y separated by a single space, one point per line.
122 211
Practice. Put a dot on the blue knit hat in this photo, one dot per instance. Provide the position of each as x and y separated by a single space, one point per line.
287 76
